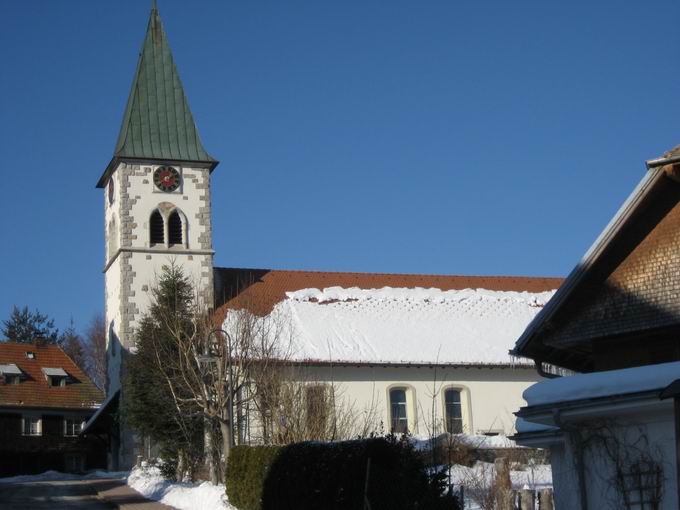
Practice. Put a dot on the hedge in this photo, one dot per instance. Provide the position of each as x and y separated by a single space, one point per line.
332 476
246 472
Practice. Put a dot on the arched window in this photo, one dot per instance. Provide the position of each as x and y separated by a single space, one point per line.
454 411
174 228
399 416
156 228
112 237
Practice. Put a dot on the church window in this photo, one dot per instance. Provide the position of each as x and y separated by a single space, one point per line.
454 411
157 228
112 237
174 229
316 399
399 416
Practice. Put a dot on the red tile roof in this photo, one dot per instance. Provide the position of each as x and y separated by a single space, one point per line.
260 289
34 390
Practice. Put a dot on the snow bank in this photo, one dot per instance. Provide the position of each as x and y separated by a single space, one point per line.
49 476
479 441
404 325
603 384
482 474
149 482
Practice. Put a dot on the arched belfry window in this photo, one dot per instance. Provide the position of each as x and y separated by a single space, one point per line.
174 229
156 228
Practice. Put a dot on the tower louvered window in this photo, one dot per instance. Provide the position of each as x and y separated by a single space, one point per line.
174 229
157 229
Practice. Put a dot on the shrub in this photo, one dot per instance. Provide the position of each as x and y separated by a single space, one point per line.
333 476
246 472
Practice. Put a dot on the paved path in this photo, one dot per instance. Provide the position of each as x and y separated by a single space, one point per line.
98 494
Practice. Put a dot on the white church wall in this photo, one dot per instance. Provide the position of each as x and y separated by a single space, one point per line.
490 396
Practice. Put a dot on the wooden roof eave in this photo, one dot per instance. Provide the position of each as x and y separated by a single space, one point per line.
583 268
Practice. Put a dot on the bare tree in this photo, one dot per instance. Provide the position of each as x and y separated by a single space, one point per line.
217 369
94 350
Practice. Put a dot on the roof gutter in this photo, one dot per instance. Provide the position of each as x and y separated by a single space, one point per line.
655 163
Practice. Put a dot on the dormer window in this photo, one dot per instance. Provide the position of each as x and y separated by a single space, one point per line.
11 373
30 354
12 379
56 377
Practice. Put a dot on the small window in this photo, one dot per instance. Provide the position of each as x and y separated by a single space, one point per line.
57 382
31 426
398 408
30 354
12 379
316 399
454 411
157 228
174 229
72 426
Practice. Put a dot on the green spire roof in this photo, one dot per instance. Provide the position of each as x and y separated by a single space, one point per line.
158 124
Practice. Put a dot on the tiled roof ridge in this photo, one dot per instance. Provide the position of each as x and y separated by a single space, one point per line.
364 273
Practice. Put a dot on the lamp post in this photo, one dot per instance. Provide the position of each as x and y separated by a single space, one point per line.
209 359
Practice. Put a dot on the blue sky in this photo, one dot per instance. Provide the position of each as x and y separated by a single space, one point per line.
420 137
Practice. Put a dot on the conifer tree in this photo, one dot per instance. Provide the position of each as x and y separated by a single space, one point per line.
154 404
24 326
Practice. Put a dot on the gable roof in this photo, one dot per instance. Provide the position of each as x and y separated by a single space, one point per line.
34 390
624 285
388 318
261 289
157 124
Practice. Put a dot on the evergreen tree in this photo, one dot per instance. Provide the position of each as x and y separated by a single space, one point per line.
72 344
24 326
154 404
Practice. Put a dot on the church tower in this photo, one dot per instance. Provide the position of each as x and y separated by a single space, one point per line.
157 206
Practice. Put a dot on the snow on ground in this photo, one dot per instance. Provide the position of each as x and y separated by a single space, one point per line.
149 482
603 384
483 473
478 441
404 325
49 476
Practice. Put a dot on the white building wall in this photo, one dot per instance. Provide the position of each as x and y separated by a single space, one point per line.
645 430
490 395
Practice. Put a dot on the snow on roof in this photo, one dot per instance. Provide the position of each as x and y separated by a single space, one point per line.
10 369
602 384
54 372
405 325
525 427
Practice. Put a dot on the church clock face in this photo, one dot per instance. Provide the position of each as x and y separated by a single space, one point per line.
166 178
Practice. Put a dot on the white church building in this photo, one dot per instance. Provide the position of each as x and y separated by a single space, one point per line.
386 335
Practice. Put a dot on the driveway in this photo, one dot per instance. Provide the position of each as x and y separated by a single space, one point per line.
96 494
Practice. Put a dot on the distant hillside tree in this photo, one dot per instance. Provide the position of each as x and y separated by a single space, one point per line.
24 326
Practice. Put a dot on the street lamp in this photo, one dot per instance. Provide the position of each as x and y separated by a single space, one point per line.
208 358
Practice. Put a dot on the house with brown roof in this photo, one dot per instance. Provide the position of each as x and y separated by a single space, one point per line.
613 422
45 399
423 353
